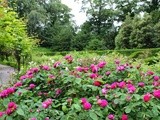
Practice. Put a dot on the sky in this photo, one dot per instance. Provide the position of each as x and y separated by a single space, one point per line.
79 17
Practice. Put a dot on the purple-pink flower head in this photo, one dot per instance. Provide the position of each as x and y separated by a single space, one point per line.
104 91
56 64
111 117
156 78
45 67
94 68
47 103
108 73
93 75
101 64
83 100
131 89
58 91
122 84
117 62
121 68
87 106
141 84
102 102
156 93
31 86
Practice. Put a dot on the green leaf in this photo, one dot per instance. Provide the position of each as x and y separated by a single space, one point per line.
20 112
78 107
9 118
93 115
78 80
128 109
116 101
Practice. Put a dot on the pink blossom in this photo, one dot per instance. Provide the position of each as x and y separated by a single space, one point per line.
111 117
122 84
93 75
11 108
141 84
58 91
47 118
47 103
45 67
1 114
104 91
34 70
56 64
97 83
124 117
117 61
156 83
156 93
69 58
108 73
120 68
31 86
131 89
150 73
114 85
83 100
156 78
23 77
102 102
101 64
51 76
87 106
94 68
18 84
147 97
80 69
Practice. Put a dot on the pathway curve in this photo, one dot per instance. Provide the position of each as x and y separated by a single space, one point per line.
6 73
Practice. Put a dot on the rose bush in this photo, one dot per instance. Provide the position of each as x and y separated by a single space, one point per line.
70 90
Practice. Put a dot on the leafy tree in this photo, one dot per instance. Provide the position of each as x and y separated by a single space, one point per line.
13 37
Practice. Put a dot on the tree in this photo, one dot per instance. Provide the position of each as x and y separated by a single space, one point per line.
13 37
47 20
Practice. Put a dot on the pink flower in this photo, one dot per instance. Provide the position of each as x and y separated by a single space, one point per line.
87 106
147 97
94 68
31 86
34 70
69 58
80 69
47 103
102 102
23 77
18 84
11 108
156 93
108 73
97 83
117 61
120 68
47 118
93 75
122 84
141 84
83 100
156 78
104 91
58 91
56 64
131 89
101 64
124 117
150 73
156 83
45 67
51 76
111 117
1 114
114 85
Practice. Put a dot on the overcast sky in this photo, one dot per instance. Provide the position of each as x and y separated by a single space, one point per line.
80 17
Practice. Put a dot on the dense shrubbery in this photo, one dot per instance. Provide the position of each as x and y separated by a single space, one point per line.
84 89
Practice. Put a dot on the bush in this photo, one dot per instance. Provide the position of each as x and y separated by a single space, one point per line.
68 90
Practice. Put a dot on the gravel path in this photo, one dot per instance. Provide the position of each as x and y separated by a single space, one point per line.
6 73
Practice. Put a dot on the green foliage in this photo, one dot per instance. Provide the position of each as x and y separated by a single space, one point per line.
13 37
73 84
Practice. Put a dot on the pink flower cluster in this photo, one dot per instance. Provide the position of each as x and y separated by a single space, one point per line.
47 103
45 67
82 69
10 109
102 103
69 58
86 104
29 73
5 93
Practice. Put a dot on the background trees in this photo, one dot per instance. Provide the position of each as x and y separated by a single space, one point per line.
13 37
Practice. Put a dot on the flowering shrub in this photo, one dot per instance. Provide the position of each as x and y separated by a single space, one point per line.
67 90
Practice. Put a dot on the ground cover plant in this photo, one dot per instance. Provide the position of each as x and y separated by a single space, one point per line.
84 89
